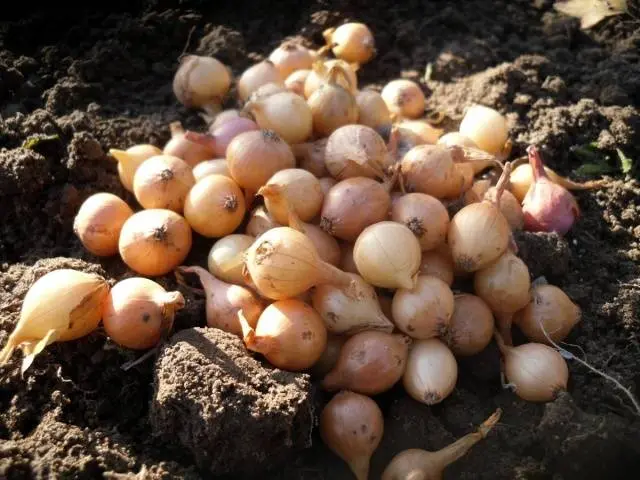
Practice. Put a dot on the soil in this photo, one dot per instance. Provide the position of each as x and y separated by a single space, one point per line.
76 82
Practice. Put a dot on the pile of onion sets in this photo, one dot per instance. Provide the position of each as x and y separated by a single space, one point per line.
349 237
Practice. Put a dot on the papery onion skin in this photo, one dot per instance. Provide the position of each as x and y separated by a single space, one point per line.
431 373
370 363
138 312
154 242
352 42
387 255
318 75
215 197
284 263
62 305
471 326
296 80
356 151
327 246
223 117
332 106
504 284
425 310
551 308
311 157
225 133
99 221
292 188
276 111
260 221
456 138
509 206
427 134
351 425
347 312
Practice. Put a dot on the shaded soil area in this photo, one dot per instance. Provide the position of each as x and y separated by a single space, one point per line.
74 83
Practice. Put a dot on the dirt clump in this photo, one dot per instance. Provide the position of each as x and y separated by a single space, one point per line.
225 408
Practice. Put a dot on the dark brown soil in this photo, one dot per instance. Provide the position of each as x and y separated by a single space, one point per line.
74 83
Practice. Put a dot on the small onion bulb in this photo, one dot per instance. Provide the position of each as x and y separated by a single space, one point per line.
292 189
163 181
404 98
216 166
154 242
138 312
225 257
550 308
352 42
180 146
130 159
387 255
452 139
471 326
332 106
351 425
201 81
296 80
431 373
438 263
276 112
290 334
372 110
257 75
99 221
425 216
290 57
486 127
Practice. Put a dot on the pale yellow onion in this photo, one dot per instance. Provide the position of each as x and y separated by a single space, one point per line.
180 146
352 310
290 57
130 159
505 286
276 111
217 166
201 81
486 127
327 247
537 372
404 98
296 80
372 110
163 181
456 139
479 233
431 373
387 255
62 305
257 75
425 310
267 90
352 42
550 308
225 257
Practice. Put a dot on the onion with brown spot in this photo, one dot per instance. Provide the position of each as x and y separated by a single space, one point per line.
425 216
163 181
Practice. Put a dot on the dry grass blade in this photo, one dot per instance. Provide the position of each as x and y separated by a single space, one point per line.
592 12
